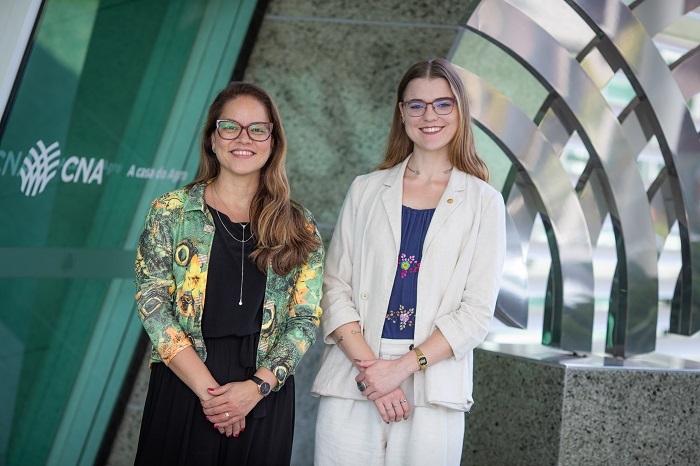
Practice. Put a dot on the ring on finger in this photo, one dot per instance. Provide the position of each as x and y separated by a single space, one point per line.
397 404
227 415
404 400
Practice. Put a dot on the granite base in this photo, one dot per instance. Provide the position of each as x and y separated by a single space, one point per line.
537 406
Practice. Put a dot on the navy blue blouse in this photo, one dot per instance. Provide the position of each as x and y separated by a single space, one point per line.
401 315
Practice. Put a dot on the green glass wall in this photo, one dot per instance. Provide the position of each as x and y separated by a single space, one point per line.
105 118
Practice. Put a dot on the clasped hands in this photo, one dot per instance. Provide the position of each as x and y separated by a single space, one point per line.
382 379
228 406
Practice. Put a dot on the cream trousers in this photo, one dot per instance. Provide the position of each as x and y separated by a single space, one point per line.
350 432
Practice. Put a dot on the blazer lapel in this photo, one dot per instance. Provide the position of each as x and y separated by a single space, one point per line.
392 197
451 198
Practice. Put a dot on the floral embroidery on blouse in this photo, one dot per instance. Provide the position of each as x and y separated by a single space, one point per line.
408 264
402 308
404 317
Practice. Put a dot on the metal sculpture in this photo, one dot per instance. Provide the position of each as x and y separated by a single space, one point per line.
610 36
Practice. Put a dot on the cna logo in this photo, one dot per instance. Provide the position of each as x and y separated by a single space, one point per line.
43 163
39 167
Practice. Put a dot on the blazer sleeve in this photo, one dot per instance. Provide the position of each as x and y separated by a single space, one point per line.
338 306
467 327
155 283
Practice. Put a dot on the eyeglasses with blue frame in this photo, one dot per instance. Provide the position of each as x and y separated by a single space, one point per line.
417 107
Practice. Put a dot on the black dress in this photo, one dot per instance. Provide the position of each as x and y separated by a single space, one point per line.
174 430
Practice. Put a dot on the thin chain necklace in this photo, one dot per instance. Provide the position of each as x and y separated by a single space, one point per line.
417 172
242 241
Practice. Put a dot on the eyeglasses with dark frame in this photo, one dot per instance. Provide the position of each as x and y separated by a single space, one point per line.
441 106
257 131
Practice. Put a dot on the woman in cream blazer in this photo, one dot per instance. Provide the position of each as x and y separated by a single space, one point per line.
386 401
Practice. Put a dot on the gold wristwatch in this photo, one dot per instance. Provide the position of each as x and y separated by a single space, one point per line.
422 360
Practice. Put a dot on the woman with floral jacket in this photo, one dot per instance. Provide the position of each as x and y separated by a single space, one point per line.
228 278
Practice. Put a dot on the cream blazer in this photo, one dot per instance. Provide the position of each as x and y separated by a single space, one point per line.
458 281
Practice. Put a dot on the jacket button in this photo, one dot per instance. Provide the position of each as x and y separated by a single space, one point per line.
364 295
450 201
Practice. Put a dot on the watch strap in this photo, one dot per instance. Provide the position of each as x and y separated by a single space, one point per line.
260 382
422 360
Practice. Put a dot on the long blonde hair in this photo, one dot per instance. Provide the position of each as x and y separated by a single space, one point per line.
284 237
462 151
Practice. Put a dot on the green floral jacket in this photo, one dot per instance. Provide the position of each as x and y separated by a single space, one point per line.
171 282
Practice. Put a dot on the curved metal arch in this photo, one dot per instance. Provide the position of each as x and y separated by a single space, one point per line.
685 73
636 123
660 195
673 126
657 16
602 134
512 302
547 183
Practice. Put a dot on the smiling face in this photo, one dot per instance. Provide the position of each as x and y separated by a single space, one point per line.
242 156
430 133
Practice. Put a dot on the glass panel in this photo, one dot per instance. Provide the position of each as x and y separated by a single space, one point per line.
77 156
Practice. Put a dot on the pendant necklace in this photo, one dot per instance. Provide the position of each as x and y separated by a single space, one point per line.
242 241
417 172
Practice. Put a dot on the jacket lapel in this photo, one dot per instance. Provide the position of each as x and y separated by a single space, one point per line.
392 197
450 200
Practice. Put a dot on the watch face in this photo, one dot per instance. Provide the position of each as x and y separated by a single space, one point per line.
423 361
264 388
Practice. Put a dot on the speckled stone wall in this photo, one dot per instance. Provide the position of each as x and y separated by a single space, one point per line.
547 410
333 68
631 417
516 417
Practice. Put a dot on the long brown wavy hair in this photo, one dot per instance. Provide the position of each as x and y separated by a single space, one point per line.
284 236
462 151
